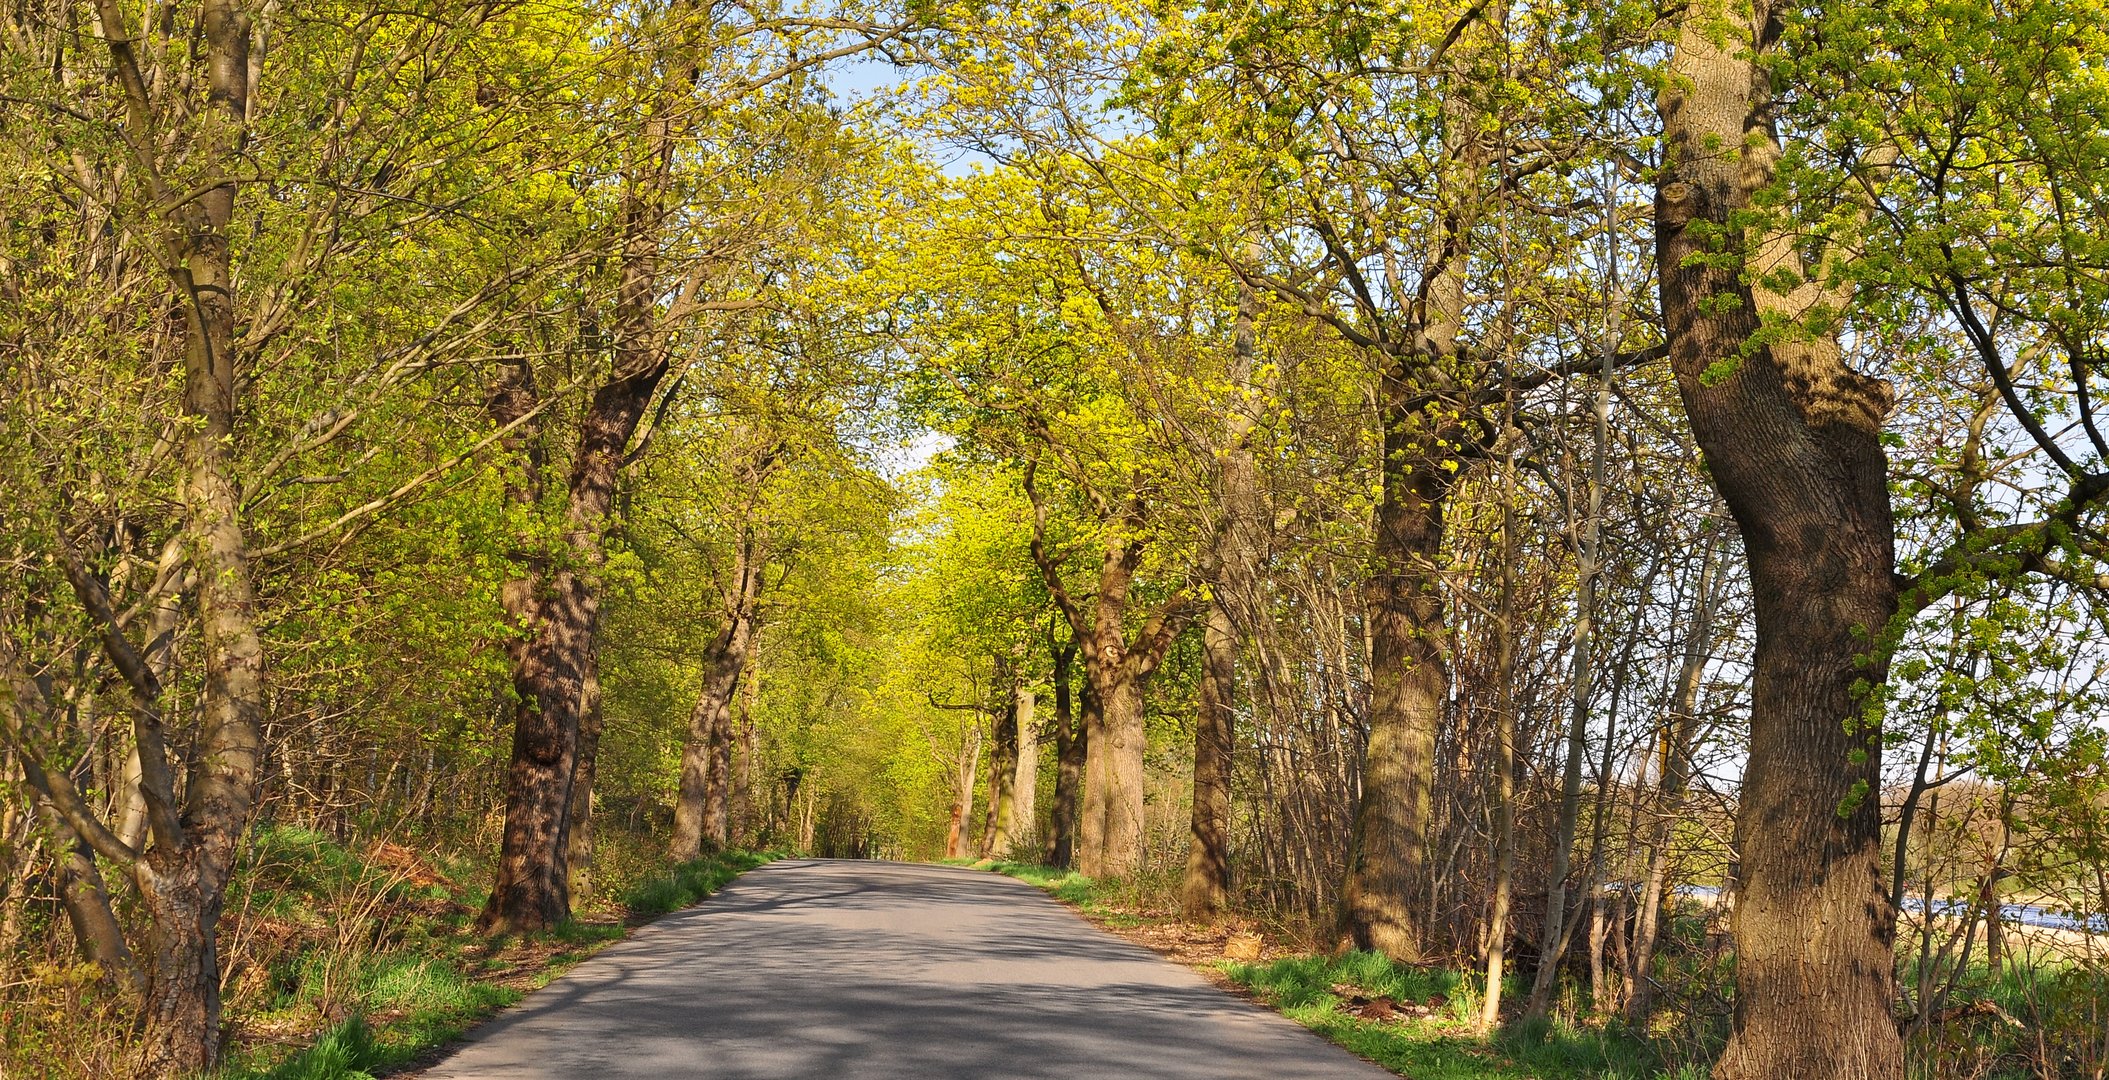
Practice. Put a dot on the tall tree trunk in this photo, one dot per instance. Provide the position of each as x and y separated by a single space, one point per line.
1388 864
702 806
578 853
1205 889
962 795
745 738
182 878
717 788
699 807
1505 724
1024 786
1003 772
1792 438
1091 808
549 679
531 891
550 674
1110 830
1113 843
1388 849
1070 749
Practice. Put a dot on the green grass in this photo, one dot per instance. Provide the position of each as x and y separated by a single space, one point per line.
691 881
2006 1025
1439 1046
1066 885
423 976
410 1004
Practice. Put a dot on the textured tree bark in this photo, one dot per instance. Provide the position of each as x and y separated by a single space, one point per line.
1110 827
1205 888
532 887
550 673
1388 865
1792 439
1003 772
962 796
1070 748
1388 851
182 878
182 1011
1119 853
700 805
717 791
745 738
1091 811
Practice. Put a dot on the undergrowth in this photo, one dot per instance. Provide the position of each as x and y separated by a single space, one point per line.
346 961
1435 1039
415 999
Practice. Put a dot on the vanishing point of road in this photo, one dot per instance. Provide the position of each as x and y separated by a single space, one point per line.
837 970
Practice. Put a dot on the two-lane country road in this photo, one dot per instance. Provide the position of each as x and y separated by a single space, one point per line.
826 970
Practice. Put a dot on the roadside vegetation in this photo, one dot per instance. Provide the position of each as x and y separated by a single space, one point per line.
1418 1022
1425 1022
351 959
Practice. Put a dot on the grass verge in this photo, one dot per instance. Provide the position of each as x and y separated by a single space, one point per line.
1417 1022
377 951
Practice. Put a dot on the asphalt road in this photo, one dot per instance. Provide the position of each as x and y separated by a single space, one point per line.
834 970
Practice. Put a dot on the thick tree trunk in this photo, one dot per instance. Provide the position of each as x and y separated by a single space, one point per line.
745 738
1111 827
1388 865
1070 751
1113 785
717 790
1003 772
1792 438
532 888
702 806
1205 889
689 798
550 672
699 807
1388 851
182 1013
1091 810
549 677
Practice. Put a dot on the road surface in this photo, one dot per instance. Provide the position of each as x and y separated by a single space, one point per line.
837 970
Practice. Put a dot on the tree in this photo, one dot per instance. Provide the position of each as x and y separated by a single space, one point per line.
673 268
1793 438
